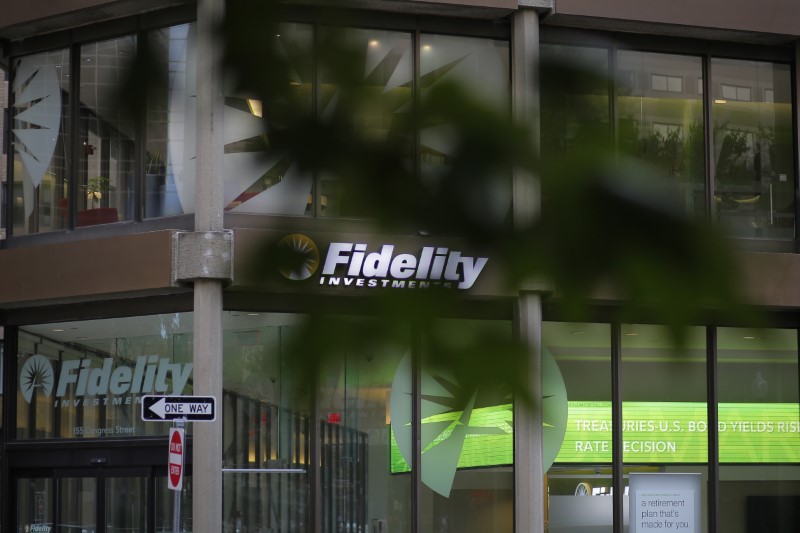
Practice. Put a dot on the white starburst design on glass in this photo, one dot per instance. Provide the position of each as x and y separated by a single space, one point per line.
37 114
36 373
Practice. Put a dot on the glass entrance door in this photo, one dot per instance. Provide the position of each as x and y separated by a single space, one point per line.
99 500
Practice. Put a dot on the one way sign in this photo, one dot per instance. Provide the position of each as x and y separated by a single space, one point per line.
188 408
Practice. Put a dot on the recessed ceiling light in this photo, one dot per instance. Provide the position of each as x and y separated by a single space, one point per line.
374 43
720 101
57 330
253 314
631 334
748 337
426 48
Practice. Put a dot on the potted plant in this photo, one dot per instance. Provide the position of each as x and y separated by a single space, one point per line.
95 189
155 178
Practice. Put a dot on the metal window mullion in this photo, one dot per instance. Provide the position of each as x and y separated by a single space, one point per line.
74 147
8 204
612 98
315 462
416 344
100 492
415 101
416 434
140 131
616 428
795 159
712 395
708 117
316 189
9 424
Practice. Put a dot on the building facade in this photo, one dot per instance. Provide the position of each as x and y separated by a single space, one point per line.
127 271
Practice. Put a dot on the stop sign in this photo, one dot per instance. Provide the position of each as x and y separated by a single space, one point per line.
175 463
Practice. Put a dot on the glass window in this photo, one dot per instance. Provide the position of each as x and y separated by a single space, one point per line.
169 166
258 177
39 118
3 154
574 103
661 124
576 405
481 67
266 432
365 426
665 426
386 60
753 148
35 504
467 440
85 379
759 430
107 130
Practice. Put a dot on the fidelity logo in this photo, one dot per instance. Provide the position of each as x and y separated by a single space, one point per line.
354 264
150 374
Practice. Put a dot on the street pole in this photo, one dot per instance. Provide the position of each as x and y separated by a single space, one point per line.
207 355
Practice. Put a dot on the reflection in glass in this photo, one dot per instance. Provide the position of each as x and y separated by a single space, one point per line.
482 67
126 504
661 120
77 504
107 132
170 122
34 502
366 484
85 379
759 423
753 148
266 434
582 353
39 120
385 57
259 178
574 110
165 506
664 409
467 441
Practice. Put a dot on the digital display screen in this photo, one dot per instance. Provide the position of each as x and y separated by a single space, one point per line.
653 432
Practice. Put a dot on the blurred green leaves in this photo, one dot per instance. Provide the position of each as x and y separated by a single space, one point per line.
608 230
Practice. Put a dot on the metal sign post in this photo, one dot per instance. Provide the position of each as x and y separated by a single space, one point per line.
177 487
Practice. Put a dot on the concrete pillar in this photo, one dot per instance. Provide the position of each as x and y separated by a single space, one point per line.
529 491
529 495
207 356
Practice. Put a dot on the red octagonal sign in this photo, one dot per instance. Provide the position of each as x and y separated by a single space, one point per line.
175 464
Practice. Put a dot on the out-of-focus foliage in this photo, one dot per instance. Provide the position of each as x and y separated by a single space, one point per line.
607 222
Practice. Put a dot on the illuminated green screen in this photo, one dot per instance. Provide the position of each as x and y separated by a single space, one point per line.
653 432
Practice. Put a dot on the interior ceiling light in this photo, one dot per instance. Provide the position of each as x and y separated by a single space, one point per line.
57 330
373 43
720 101
748 337
255 107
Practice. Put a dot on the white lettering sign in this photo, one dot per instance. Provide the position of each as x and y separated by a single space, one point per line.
447 267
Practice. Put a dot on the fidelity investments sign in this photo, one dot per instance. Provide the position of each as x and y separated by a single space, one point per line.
79 379
350 264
